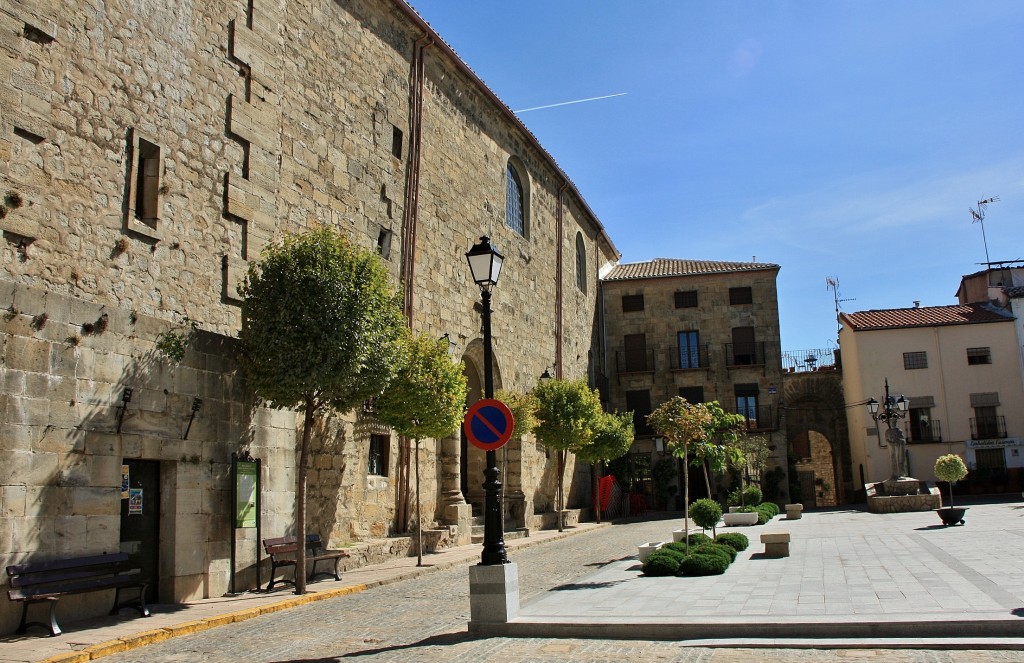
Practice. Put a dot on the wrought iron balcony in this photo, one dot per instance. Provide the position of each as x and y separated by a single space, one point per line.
744 354
986 428
682 359
634 362
763 419
925 431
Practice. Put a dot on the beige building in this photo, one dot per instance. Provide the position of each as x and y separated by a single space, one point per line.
148 151
959 367
702 329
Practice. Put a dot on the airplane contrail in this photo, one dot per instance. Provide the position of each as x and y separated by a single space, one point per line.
566 103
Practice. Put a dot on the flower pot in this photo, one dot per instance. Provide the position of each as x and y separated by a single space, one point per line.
740 519
645 549
952 515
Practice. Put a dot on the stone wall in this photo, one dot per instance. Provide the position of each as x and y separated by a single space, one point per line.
266 117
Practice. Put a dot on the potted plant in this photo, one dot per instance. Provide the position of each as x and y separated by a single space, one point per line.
950 468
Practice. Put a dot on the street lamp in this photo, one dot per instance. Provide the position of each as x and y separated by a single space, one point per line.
893 409
485 265
545 376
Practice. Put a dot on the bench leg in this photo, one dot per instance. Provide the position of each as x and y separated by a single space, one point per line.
52 626
141 607
273 573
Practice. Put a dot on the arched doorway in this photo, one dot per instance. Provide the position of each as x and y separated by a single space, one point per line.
818 444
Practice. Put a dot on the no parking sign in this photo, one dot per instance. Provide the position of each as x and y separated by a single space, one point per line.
488 424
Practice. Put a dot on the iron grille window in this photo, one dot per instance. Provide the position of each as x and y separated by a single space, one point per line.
686 299
514 201
976 356
912 360
378 459
742 295
632 303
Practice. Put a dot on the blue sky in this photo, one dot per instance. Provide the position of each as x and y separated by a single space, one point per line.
836 139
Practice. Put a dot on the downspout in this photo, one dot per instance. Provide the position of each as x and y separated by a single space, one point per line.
410 219
558 280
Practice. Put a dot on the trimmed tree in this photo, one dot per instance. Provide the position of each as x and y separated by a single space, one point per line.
613 435
426 398
718 448
567 416
950 468
681 424
321 329
524 410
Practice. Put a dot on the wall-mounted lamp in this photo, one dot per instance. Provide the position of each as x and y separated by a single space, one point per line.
197 404
126 398
545 376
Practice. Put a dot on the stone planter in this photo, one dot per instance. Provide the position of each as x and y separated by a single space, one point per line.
952 515
679 535
740 519
794 511
733 509
647 548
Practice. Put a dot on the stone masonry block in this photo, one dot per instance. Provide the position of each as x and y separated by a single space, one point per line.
28 354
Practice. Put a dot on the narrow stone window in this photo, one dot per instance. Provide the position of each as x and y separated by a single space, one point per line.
581 263
377 464
145 185
396 142
384 243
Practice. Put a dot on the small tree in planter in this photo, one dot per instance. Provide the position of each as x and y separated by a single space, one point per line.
950 468
706 513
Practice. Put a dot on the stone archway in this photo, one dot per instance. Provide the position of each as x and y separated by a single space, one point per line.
817 439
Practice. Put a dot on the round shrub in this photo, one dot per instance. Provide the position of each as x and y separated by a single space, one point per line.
715 549
764 514
704 565
706 513
661 563
698 539
734 540
752 495
675 549
771 506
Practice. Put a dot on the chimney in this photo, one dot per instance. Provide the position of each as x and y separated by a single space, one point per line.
917 303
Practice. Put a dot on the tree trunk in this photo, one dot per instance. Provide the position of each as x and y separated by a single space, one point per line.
950 494
419 510
561 493
686 495
300 499
707 479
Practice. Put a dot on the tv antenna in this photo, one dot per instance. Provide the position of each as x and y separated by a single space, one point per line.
978 216
832 283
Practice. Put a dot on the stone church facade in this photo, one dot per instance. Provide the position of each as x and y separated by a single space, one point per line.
148 151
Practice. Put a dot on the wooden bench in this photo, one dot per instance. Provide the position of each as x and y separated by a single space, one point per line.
47 582
282 554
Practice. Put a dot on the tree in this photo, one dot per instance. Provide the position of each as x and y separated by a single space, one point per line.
426 398
950 468
752 456
613 435
321 329
524 410
718 450
567 415
681 424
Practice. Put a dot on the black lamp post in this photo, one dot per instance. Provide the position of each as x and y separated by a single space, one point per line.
893 409
485 265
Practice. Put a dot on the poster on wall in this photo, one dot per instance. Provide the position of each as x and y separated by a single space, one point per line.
134 501
124 482
245 504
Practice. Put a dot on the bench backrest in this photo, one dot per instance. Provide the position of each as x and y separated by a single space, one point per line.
286 544
64 570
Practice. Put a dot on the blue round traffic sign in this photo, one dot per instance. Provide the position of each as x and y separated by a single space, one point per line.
488 424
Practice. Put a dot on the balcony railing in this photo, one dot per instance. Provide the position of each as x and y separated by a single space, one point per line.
764 420
744 354
796 361
987 428
930 431
634 362
681 359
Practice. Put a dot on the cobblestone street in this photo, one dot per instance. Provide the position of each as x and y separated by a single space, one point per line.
425 618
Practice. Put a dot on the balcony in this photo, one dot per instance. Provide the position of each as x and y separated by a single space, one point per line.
744 354
634 362
929 431
988 428
685 359
763 421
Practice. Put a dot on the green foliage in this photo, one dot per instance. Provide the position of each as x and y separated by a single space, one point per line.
661 563
771 507
613 435
717 549
173 343
427 396
681 423
321 324
718 444
524 410
704 565
772 480
706 513
698 538
567 414
950 468
749 496
735 540
765 513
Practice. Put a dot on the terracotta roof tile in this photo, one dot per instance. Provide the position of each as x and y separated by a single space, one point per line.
928 316
662 267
